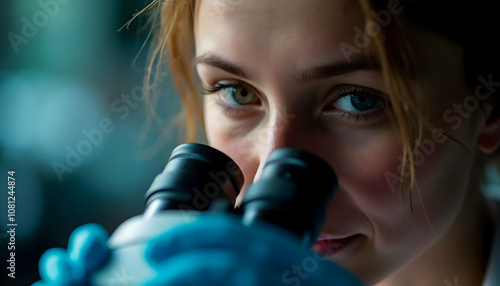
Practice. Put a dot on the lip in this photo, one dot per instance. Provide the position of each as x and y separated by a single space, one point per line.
329 245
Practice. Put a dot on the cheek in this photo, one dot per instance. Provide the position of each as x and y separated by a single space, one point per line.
368 166
364 200
235 140
360 162
400 226
369 169
443 181
362 167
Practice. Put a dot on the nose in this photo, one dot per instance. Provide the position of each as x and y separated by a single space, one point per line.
284 130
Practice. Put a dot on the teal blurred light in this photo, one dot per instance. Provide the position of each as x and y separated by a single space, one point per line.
62 36
41 115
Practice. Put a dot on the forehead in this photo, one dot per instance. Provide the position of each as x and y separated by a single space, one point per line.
297 30
277 12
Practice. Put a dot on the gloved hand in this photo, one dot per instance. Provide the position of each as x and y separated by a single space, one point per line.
213 250
218 250
87 251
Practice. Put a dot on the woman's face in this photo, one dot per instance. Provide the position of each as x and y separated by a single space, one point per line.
292 74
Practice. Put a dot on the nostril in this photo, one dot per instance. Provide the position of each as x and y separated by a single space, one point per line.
243 190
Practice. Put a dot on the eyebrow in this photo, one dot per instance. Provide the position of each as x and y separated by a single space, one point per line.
303 77
218 62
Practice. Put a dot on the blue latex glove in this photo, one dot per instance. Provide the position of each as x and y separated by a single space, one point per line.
217 250
214 250
87 251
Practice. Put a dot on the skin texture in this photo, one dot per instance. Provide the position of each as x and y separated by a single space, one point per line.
445 237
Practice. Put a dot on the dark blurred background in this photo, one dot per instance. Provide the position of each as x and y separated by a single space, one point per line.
72 120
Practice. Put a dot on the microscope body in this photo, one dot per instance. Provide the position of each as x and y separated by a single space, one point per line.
293 192
127 264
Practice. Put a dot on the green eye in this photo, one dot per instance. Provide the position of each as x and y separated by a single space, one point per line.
237 95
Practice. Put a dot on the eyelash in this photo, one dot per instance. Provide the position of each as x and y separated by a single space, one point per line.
220 86
228 109
341 91
367 116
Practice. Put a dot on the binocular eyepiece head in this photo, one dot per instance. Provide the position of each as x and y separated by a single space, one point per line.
293 191
195 176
